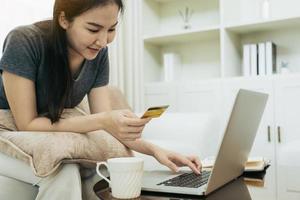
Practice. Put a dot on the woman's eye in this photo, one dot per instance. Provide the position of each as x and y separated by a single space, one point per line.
93 31
112 30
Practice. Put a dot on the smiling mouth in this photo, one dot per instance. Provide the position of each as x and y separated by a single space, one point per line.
93 49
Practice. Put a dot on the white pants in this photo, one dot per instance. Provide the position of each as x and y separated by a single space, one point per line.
65 184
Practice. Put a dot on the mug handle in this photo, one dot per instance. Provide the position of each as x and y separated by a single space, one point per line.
99 173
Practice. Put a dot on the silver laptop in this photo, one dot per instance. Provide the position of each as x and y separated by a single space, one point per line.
233 152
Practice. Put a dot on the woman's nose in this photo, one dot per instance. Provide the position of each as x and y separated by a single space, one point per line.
102 40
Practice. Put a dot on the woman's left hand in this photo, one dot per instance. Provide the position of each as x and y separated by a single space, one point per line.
175 160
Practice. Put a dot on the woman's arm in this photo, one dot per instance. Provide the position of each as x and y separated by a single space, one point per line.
173 160
20 93
120 121
100 100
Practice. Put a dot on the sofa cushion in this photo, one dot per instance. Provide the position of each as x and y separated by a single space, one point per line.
45 151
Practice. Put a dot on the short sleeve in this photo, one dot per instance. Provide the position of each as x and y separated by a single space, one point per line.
20 53
102 77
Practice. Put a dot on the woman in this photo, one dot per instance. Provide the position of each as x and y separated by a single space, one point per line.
52 65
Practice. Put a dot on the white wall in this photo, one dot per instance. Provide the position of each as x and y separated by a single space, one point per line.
21 12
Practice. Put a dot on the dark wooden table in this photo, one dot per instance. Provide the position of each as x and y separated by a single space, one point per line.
236 190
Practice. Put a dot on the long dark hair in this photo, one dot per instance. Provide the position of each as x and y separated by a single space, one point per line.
60 82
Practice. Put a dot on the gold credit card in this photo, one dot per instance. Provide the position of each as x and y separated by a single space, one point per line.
154 112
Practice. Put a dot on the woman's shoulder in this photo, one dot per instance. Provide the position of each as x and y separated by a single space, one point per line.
30 38
31 32
29 41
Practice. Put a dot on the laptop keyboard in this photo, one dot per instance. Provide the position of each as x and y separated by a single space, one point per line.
189 180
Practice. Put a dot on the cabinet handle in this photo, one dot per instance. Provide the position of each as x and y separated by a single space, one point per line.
279 134
269 134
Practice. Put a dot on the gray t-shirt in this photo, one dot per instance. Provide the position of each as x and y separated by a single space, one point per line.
24 54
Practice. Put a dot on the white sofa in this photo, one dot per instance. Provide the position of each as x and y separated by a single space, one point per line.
11 189
187 133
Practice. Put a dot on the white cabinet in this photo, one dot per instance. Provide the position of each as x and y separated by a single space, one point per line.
278 129
279 126
264 144
287 91
201 96
161 94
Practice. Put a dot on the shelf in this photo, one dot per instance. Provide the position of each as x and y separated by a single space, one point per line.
163 1
284 33
270 25
158 84
184 36
181 82
163 16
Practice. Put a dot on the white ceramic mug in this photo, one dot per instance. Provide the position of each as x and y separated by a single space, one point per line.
125 176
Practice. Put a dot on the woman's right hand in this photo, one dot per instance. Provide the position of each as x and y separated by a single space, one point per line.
124 125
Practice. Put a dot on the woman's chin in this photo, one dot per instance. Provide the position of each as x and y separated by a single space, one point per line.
90 57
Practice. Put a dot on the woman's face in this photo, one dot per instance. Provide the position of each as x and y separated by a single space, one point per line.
91 31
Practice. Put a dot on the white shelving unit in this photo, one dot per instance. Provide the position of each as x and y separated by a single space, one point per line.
212 47
211 67
163 32
284 33
163 16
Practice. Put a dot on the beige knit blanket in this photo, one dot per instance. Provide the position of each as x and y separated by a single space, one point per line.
46 151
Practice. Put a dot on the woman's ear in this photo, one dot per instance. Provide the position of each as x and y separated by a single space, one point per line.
63 22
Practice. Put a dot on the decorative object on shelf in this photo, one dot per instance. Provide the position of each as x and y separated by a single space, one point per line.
284 67
172 66
186 15
265 9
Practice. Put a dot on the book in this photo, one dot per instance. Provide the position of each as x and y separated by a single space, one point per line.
172 66
262 59
256 164
253 59
254 173
246 60
271 58
255 178
253 164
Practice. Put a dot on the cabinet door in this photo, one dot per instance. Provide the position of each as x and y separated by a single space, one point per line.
287 91
157 94
264 142
200 97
